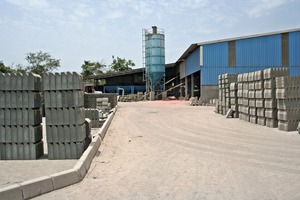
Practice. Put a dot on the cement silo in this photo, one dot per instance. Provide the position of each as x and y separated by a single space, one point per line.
154 59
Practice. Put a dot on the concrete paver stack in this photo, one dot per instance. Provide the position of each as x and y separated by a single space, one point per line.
251 98
20 117
224 91
243 100
67 137
103 104
234 99
259 97
288 102
95 116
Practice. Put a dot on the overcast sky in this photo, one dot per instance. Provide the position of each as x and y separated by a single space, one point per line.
78 30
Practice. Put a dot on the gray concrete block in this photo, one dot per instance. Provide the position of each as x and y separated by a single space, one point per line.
287 125
2 81
34 99
64 81
58 83
253 119
49 134
73 133
80 167
19 117
15 151
65 178
2 151
14 134
77 81
67 135
7 99
66 117
79 149
34 116
270 103
19 99
2 134
8 150
79 115
26 133
60 116
25 82
72 117
50 151
25 99
281 94
78 99
47 99
35 133
80 132
2 99
48 116
37 186
70 81
260 103
54 116
271 123
59 99
13 81
12 192
7 82
61 133
13 117
13 99
46 82
252 111
2 117
55 136
62 151
36 150
20 134
21 151
271 113
26 152
68 150
260 112
70 98
53 99
56 155
65 99
261 121
7 117
73 150
52 81
34 82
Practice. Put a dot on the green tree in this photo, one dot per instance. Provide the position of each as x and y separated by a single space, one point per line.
5 69
121 64
92 68
41 62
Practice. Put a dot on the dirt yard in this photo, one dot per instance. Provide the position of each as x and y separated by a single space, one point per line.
169 150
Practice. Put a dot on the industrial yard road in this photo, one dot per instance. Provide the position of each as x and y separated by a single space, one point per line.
170 150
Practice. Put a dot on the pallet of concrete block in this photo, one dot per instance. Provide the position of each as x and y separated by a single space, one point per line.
288 102
95 116
103 104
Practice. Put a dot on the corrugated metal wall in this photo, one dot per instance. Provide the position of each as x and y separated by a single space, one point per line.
294 53
215 55
259 51
192 63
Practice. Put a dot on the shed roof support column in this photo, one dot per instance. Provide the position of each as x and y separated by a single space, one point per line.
192 85
186 87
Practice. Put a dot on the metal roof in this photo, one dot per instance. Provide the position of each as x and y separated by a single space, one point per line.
192 47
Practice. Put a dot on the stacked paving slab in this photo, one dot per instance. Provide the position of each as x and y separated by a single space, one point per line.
20 117
259 98
67 134
288 102
224 92
251 98
103 104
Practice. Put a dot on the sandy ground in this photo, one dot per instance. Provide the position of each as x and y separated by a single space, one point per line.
169 150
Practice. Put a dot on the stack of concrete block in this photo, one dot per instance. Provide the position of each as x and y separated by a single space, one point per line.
259 97
224 91
20 117
288 102
243 97
234 99
103 104
67 136
251 98
90 99
95 116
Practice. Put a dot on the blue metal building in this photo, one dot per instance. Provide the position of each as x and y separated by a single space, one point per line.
201 63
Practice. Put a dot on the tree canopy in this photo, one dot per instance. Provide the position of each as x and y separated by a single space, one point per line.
121 64
90 68
5 69
41 62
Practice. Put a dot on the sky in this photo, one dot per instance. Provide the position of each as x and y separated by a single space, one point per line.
77 30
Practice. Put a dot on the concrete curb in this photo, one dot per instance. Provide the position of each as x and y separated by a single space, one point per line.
38 186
